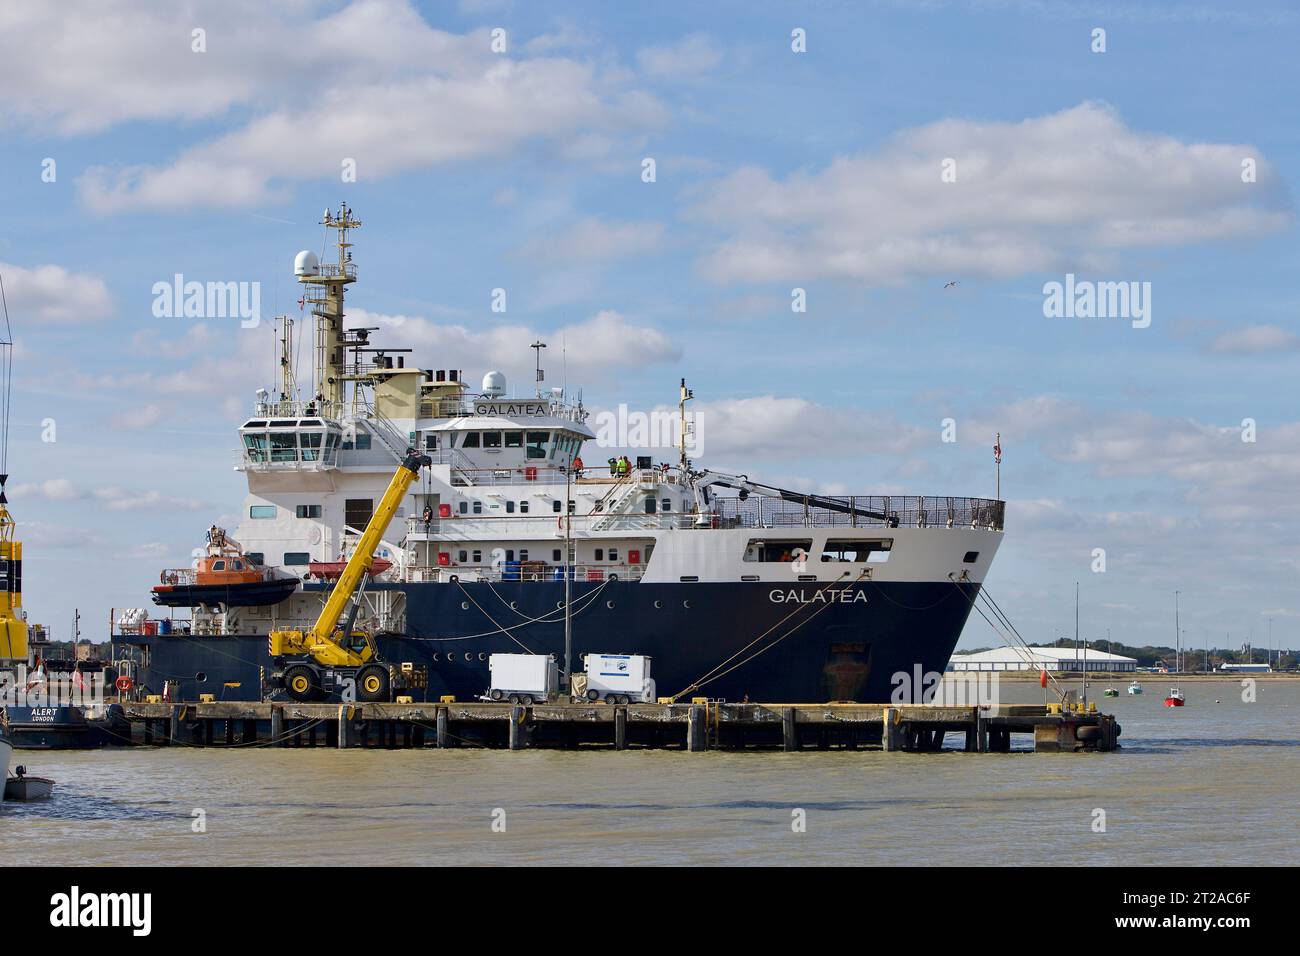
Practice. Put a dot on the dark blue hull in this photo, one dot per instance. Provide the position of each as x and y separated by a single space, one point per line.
733 640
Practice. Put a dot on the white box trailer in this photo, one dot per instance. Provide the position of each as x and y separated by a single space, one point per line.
619 678
523 678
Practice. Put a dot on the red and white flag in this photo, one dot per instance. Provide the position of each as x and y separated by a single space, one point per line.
997 449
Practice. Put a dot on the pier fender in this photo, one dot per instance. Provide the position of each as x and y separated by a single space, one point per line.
1087 733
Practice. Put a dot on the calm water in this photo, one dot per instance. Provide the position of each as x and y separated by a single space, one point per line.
1208 784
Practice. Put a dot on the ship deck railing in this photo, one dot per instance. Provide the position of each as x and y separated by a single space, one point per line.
755 512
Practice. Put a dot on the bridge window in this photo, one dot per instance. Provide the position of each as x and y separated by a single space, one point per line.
537 444
471 440
310 442
284 446
261 511
256 446
293 559
514 439
491 439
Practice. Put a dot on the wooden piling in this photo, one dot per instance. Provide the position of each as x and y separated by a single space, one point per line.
620 728
891 735
347 731
695 740
516 727
789 730
441 723
277 725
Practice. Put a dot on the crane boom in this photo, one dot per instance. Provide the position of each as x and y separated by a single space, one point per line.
324 643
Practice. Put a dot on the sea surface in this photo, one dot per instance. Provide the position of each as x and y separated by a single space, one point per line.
1215 782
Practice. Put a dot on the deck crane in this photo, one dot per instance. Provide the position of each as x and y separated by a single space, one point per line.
310 664
741 483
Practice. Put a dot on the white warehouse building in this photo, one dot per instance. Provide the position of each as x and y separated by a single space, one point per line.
1041 659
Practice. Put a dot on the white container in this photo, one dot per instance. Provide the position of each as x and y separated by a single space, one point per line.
625 677
536 676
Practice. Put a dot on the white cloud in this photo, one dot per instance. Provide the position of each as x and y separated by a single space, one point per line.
596 346
306 76
689 56
1050 192
143 416
595 240
1255 340
110 497
52 294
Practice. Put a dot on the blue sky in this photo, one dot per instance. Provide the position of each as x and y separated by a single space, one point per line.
774 170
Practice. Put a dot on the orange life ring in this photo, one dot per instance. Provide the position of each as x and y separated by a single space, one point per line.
124 683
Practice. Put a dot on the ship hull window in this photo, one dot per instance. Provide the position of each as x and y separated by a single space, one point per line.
777 550
307 511
261 511
857 550
294 559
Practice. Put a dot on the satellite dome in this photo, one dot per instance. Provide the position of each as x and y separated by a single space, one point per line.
305 263
494 384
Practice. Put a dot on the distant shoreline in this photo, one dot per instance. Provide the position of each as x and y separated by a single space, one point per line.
1093 676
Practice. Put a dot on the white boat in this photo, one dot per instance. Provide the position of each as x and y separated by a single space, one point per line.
1135 688
22 787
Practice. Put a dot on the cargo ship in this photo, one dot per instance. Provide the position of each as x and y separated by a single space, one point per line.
508 541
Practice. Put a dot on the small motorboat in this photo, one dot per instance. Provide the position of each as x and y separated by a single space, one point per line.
225 575
1135 688
1175 698
22 787
331 570
1110 692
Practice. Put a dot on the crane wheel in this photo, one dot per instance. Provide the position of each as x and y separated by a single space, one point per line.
300 681
372 683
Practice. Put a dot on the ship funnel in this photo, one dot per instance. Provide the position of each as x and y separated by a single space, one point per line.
494 384
305 263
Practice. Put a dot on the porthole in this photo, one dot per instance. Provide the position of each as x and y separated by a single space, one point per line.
482 656
686 604
514 605
559 605
464 605
659 603
200 677
437 656
451 655
609 604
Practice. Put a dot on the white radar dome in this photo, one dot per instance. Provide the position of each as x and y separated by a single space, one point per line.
494 384
305 263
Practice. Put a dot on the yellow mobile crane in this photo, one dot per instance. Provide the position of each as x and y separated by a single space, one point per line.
310 664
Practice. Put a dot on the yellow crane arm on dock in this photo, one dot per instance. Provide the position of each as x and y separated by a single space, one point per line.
323 643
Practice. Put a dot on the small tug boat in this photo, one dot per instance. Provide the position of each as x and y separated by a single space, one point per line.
22 787
1110 692
1135 688
225 575
1175 698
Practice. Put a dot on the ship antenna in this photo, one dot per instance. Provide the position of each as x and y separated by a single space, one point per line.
7 360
